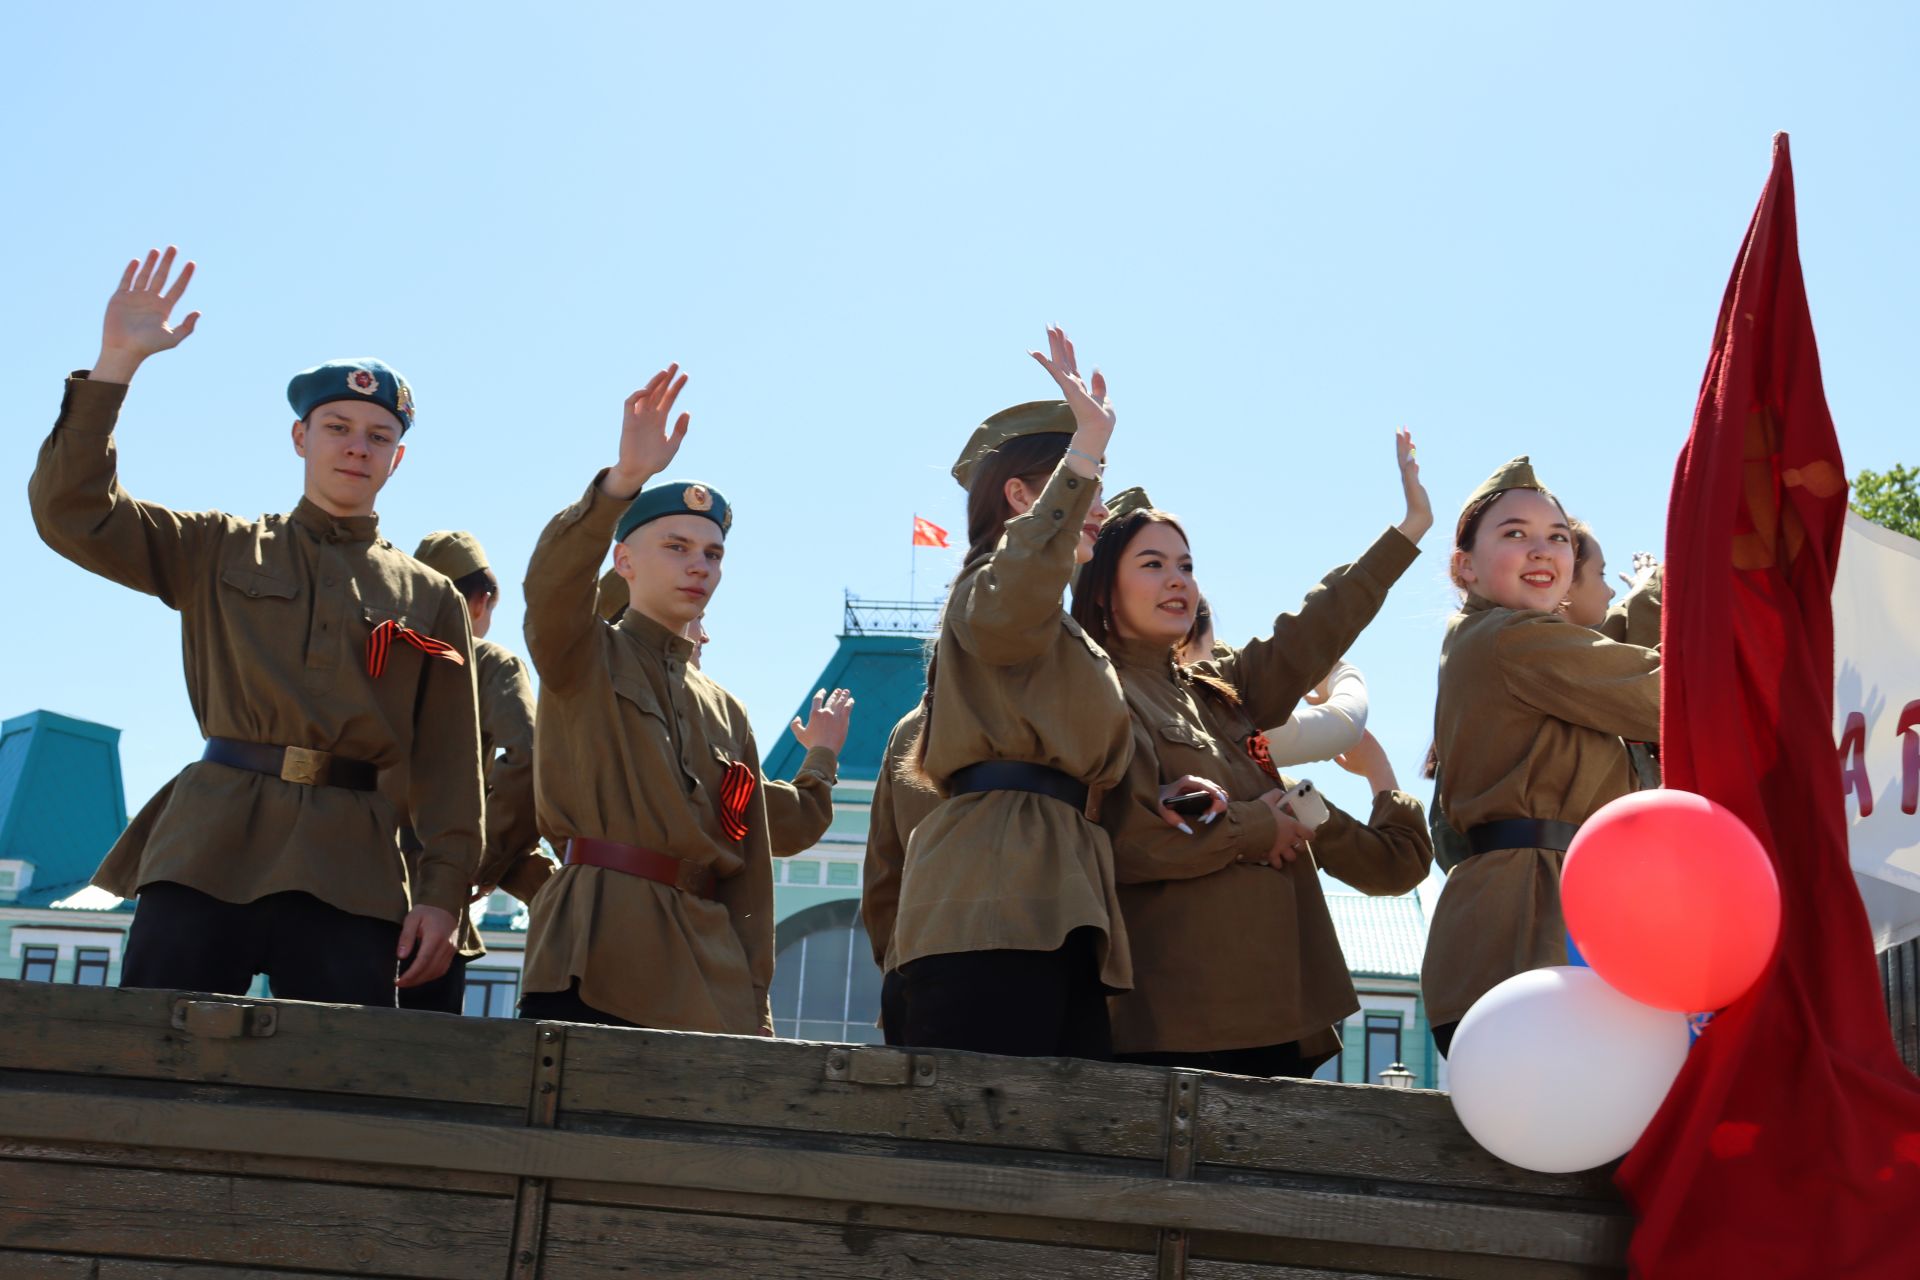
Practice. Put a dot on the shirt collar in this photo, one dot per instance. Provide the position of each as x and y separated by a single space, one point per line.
316 520
655 637
1140 655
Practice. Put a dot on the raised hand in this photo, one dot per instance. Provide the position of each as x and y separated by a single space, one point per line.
827 723
136 323
1368 759
646 446
1645 565
1419 517
1093 415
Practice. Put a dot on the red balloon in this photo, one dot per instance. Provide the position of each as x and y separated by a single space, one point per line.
1672 900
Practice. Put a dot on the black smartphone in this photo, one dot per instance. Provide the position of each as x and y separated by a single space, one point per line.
1191 804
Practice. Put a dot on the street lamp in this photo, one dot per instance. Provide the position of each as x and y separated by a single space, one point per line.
1397 1077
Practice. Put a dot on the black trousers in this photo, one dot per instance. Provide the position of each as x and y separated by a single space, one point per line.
186 940
1443 1036
566 1006
893 1008
1269 1061
1025 1004
445 994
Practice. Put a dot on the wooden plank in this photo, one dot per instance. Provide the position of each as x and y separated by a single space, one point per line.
182 1217
1364 1131
1035 1104
137 1269
589 1242
389 1053
19 1265
299 1169
1213 1251
1000 1187
1124 1237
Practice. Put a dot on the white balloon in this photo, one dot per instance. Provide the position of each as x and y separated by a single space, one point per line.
1554 1070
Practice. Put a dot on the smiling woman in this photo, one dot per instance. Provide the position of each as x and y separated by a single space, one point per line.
1528 733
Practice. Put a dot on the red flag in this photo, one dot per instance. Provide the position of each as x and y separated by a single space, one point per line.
928 534
1790 1144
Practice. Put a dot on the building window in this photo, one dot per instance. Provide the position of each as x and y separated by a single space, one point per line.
36 963
90 966
1383 1044
491 993
825 983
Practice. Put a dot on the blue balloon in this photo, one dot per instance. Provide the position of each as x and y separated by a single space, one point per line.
1573 954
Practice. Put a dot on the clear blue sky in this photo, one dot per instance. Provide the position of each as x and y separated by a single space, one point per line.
1281 230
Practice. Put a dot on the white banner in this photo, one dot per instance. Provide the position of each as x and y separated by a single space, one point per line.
1876 709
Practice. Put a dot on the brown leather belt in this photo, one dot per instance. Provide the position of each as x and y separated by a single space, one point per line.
293 764
648 864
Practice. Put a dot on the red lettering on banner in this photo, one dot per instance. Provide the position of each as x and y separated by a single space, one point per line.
1853 762
1909 730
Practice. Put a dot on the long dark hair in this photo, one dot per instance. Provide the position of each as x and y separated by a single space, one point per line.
1093 589
1029 459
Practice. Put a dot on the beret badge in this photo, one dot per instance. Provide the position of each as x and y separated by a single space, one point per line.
363 381
698 498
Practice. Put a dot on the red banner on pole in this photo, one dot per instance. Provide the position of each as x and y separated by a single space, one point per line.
1790 1144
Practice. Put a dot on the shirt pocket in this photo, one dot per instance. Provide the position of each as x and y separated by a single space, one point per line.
1181 741
259 584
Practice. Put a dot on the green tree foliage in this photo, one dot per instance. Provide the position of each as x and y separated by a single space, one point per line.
1890 498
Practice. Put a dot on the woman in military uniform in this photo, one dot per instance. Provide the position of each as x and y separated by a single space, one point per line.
1236 963
1008 933
1528 730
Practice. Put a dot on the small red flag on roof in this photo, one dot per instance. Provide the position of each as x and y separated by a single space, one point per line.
928 534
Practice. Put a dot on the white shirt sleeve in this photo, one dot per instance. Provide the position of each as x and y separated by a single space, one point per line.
1323 732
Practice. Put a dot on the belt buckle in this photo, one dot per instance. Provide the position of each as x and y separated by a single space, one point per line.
305 766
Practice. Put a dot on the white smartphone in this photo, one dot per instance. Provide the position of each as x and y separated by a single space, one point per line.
1303 801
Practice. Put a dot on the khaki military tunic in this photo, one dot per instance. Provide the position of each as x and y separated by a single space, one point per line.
1531 712
899 805
506 752
275 615
799 812
632 743
1015 678
1229 953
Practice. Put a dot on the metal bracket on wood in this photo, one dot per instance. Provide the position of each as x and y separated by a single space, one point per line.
543 1107
224 1020
1183 1112
880 1066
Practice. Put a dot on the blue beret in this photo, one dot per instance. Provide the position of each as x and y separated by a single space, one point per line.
362 379
675 498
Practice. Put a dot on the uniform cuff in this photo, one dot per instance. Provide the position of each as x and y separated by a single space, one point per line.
442 886
1391 555
90 407
1253 829
596 507
1067 497
824 761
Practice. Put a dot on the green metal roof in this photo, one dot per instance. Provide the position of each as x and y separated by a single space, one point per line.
62 800
1382 937
886 675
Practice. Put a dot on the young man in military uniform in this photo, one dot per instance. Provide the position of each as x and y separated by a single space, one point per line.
646 773
798 812
317 654
513 859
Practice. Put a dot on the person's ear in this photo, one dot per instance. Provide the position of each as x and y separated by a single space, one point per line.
1462 567
399 452
623 561
1019 497
300 437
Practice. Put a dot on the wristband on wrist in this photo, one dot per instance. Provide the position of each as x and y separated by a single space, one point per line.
1099 464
